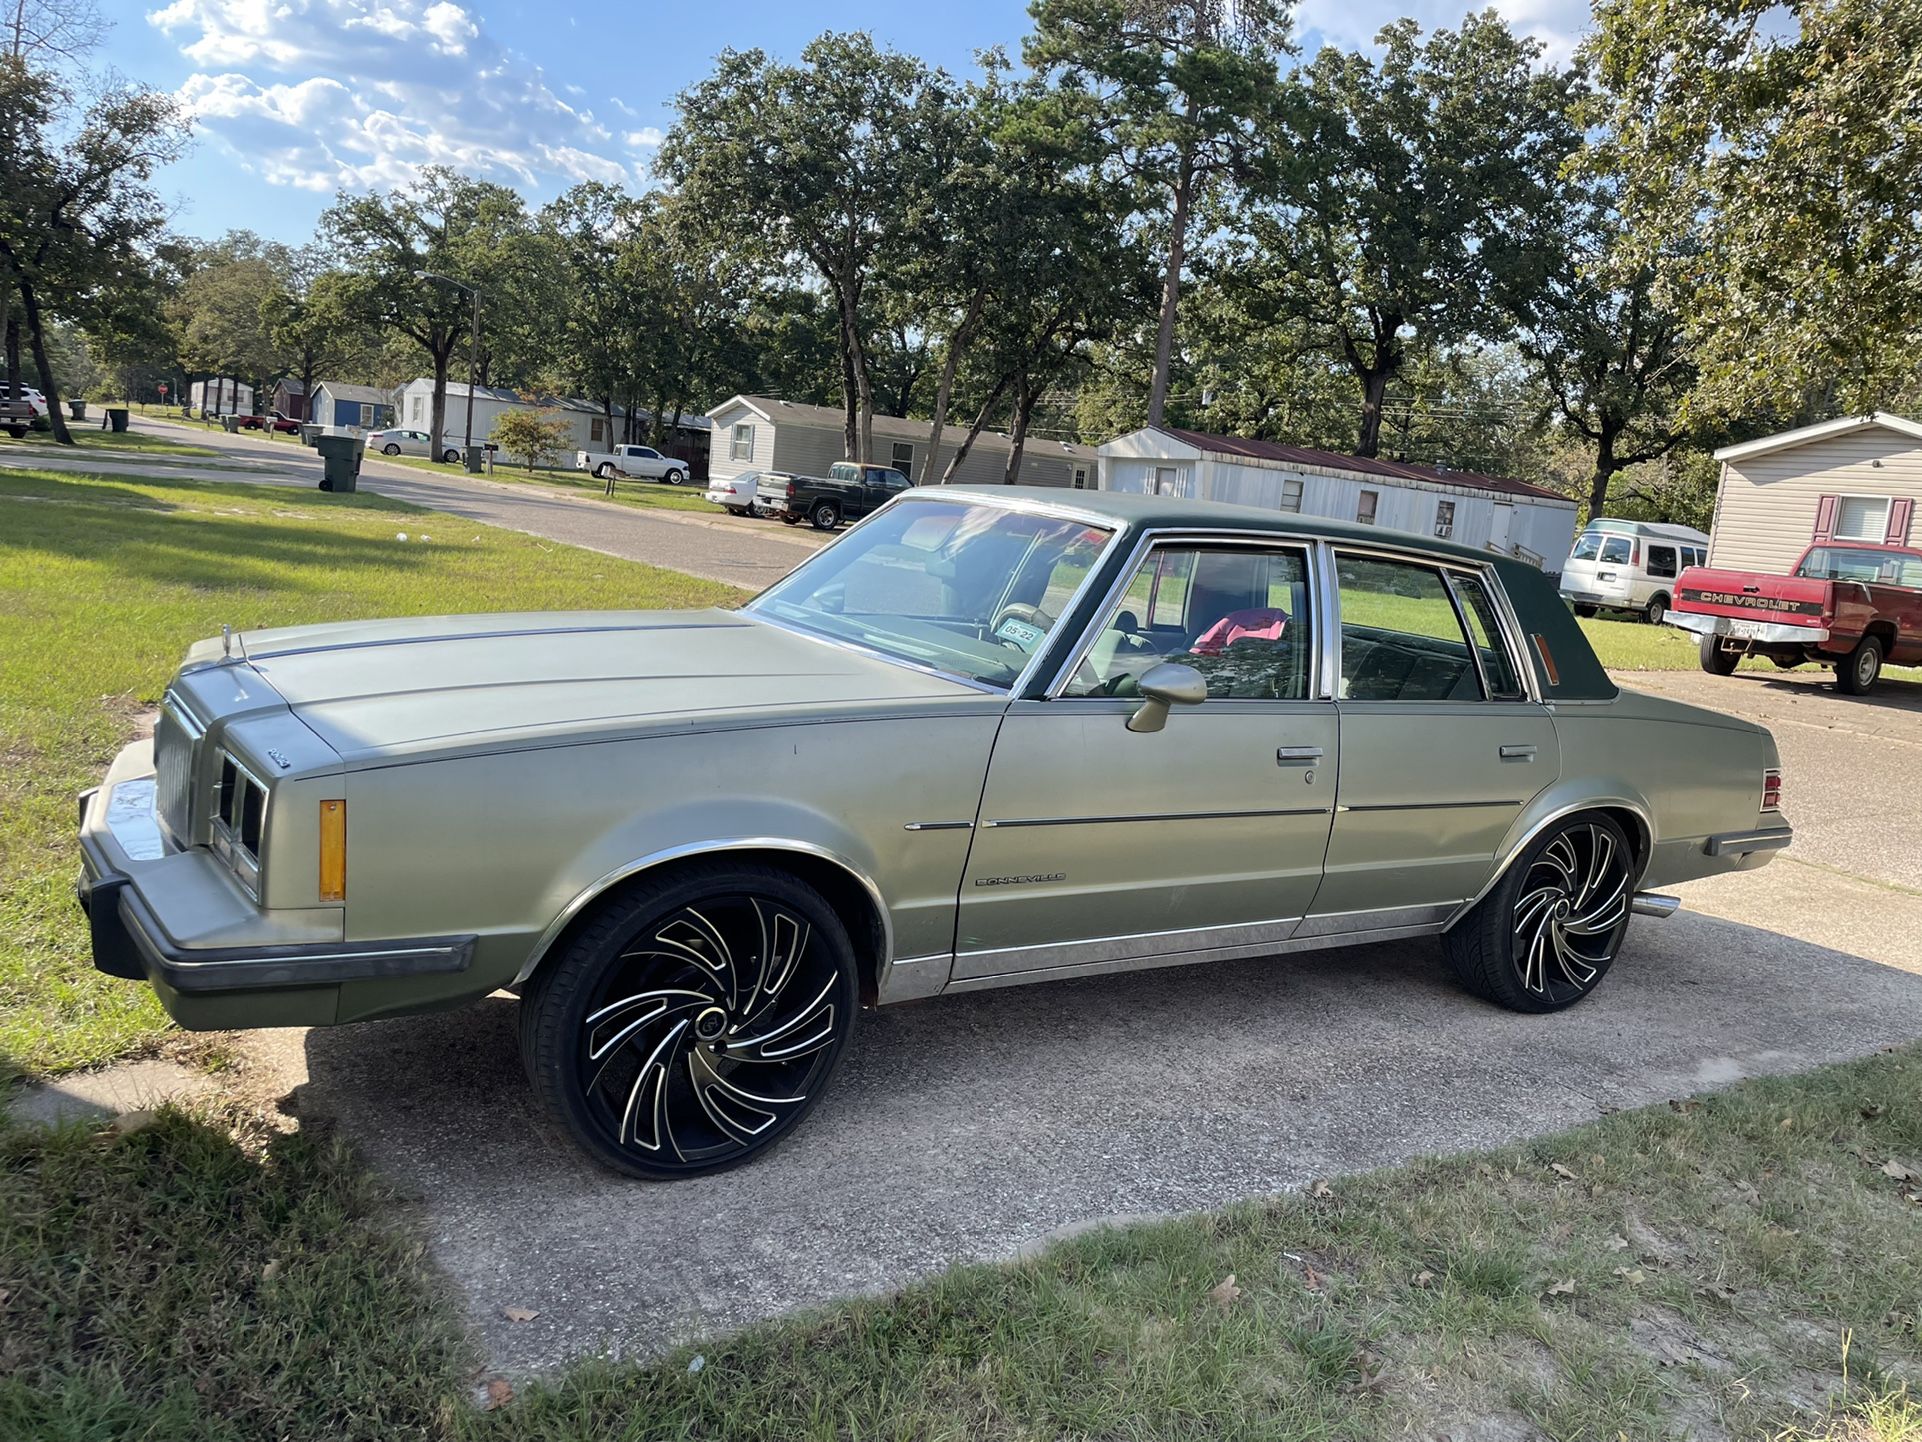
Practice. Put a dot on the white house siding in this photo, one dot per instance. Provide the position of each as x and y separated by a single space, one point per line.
721 465
1765 509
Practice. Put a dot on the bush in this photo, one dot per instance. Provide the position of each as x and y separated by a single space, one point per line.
537 437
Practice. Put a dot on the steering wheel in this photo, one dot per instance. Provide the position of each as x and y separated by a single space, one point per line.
1019 611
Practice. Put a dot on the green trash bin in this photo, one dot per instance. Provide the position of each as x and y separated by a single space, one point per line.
474 455
340 462
77 409
117 417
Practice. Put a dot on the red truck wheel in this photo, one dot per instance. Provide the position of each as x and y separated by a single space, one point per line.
1717 659
1857 675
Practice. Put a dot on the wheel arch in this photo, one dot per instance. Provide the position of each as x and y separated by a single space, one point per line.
1883 629
850 891
1620 804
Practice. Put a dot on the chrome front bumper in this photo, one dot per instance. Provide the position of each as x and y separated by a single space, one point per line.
1740 628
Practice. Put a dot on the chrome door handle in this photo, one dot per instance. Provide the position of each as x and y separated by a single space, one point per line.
1297 755
1518 753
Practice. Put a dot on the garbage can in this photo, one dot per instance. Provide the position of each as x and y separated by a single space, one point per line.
117 417
473 457
309 433
340 462
77 409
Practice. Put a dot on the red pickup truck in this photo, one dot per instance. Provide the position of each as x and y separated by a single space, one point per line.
1850 605
272 421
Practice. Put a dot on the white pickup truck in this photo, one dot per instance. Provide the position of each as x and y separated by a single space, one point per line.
639 462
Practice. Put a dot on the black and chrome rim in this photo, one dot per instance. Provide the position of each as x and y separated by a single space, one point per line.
1571 912
711 1032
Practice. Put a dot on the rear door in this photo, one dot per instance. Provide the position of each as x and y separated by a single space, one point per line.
1441 746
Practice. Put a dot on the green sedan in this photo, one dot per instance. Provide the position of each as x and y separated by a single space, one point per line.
985 738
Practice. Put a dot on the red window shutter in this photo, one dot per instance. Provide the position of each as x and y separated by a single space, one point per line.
1825 517
1899 513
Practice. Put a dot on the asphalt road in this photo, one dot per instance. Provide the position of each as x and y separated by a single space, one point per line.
740 552
978 1126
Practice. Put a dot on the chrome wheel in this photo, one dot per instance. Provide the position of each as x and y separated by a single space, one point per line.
1570 912
710 1031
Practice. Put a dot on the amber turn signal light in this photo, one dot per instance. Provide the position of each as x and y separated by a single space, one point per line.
333 851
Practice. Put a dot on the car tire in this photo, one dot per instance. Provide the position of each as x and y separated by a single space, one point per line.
790 520
736 510
673 478
825 516
450 456
1717 659
1587 613
653 1095
1857 673
1656 609
390 449
1546 934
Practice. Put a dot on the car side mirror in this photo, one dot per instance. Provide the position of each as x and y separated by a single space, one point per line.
1169 684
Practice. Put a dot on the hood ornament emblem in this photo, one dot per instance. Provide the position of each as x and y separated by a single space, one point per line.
231 643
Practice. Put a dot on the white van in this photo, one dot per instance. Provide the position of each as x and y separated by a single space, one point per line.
1629 566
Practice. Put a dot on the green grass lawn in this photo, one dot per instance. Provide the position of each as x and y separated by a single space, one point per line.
647 495
1638 646
88 436
105 581
1698 1269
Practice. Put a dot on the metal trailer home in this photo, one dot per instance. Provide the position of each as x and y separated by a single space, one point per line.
361 408
221 396
1854 479
589 426
758 433
1492 513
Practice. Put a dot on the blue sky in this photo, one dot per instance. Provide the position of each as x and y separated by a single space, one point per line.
296 99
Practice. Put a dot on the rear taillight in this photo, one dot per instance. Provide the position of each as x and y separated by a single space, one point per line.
1772 789
1635 554
789 492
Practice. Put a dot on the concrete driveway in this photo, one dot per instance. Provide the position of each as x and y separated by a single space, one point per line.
977 1126
737 551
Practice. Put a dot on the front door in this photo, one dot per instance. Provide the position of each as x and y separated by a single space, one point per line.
1440 746
1098 847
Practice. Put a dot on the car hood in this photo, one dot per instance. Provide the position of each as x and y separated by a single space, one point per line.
377 691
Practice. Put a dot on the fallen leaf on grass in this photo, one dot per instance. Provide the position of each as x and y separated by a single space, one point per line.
1567 1174
128 1122
1319 1189
1745 1189
519 1314
497 1393
1786 1124
1618 1244
1900 1170
1563 1288
1715 1290
1424 1279
1684 1104
1632 1275
271 1270
1311 1279
1224 1292
1368 1372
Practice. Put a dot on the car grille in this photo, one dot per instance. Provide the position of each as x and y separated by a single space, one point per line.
176 745
240 815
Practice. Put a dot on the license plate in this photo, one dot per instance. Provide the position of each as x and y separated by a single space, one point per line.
1746 630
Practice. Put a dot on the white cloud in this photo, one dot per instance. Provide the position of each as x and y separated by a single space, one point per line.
1558 24
329 94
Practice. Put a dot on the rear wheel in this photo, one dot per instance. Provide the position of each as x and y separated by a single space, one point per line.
450 455
1547 934
1717 658
694 1021
825 516
1587 613
1656 608
1857 675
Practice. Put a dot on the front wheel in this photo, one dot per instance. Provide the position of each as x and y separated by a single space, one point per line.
1717 658
694 1021
673 478
390 449
825 516
1857 675
1549 931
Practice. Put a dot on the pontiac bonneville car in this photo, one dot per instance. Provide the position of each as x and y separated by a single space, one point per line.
985 738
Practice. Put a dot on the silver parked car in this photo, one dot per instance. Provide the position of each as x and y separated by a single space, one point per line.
399 442
985 738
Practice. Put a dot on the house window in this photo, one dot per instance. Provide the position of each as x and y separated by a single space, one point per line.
1167 481
1081 478
740 443
1862 518
420 408
1291 494
597 430
1444 519
903 457
1365 508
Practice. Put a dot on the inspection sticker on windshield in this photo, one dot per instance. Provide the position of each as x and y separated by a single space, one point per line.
1019 632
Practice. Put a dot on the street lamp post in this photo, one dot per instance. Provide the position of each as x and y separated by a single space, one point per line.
473 357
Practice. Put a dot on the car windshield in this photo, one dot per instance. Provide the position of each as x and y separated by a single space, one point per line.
1843 563
962 588
1587 546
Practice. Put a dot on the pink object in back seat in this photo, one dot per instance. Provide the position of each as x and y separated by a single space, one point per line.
1258 623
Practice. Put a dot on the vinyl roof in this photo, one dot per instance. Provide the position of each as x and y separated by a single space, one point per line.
1363 465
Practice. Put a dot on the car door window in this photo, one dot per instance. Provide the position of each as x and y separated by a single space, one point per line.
1499 672
1237 614
1401 639
1661 561
1615 551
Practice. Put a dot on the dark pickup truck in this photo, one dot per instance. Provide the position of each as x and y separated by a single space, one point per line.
847 492
1850 605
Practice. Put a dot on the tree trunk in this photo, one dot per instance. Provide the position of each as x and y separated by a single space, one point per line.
1374 386
12 324
1605 468
36 336
437 411
944 392
1171 284
850 401
1024 398
980 422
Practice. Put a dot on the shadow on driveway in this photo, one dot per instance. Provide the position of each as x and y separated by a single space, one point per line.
964 1128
